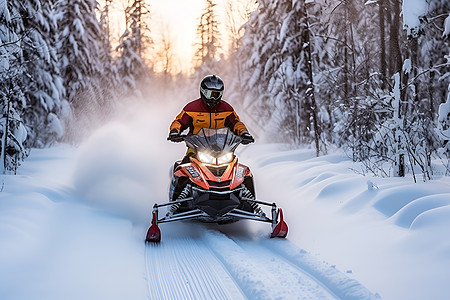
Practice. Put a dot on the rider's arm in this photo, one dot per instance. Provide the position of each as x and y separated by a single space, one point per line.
233 122
181 122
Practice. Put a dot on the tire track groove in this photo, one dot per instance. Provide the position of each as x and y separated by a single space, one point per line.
335 281
185 268
261 274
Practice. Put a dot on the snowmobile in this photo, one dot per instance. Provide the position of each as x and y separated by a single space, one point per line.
210 185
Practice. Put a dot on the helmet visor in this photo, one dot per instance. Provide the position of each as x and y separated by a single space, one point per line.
212 94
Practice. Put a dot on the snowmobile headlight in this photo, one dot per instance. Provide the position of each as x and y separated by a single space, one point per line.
226 158
206 158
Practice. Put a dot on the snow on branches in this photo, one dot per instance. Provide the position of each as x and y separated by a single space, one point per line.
443 131
414 12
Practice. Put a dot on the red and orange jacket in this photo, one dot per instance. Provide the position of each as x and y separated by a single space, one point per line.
196 115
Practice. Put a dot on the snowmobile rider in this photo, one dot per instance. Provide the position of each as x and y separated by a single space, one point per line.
208 111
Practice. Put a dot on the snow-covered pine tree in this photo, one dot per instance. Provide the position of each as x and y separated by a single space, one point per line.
293 80
12 100
288 83
314 53
443 131
134 42
356 48
47 112
399 140
237 13
417 108
429 64
443 121
208 36
348 72
137 16
105 20
79 41
208 46
278 60
130 65
110 80
260 60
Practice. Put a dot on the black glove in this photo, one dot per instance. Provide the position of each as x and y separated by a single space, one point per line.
247 138
174 136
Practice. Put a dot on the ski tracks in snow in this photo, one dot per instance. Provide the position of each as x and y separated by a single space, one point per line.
261 273
214 265
185 268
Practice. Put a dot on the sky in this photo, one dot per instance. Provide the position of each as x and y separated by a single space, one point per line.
180 19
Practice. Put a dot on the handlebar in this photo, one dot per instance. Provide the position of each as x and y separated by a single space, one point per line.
191 138
181 137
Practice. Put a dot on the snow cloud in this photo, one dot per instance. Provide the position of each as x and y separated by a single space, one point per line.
119 166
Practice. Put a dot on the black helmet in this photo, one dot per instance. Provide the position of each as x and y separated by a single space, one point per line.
211 90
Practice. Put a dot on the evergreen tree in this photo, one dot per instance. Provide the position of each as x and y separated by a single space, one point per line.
428 60
260 56
12 99
80 36
281 72
208 36
443 131
110 79
137 15
133 44
349 73
46 111
295 75
233 67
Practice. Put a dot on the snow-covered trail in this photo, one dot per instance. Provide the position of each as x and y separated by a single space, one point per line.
191 270
73 223
87 242
203 261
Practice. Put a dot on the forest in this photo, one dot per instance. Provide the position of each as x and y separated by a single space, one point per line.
368 77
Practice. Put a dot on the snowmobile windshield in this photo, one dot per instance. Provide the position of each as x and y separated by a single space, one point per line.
213 141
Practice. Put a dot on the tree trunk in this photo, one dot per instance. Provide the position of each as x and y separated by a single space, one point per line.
310 86
5 131
383 66
396 64
395 55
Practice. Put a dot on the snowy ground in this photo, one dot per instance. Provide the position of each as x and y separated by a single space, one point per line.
72 224
388 233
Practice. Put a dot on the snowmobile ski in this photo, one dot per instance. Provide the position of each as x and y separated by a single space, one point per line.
153 233
281 228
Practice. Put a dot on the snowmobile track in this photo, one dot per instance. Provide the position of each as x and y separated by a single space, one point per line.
295 280
209 264
190 269
262 273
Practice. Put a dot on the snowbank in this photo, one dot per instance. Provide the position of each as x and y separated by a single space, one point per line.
389 233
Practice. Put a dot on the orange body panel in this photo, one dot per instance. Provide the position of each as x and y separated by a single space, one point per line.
231 178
